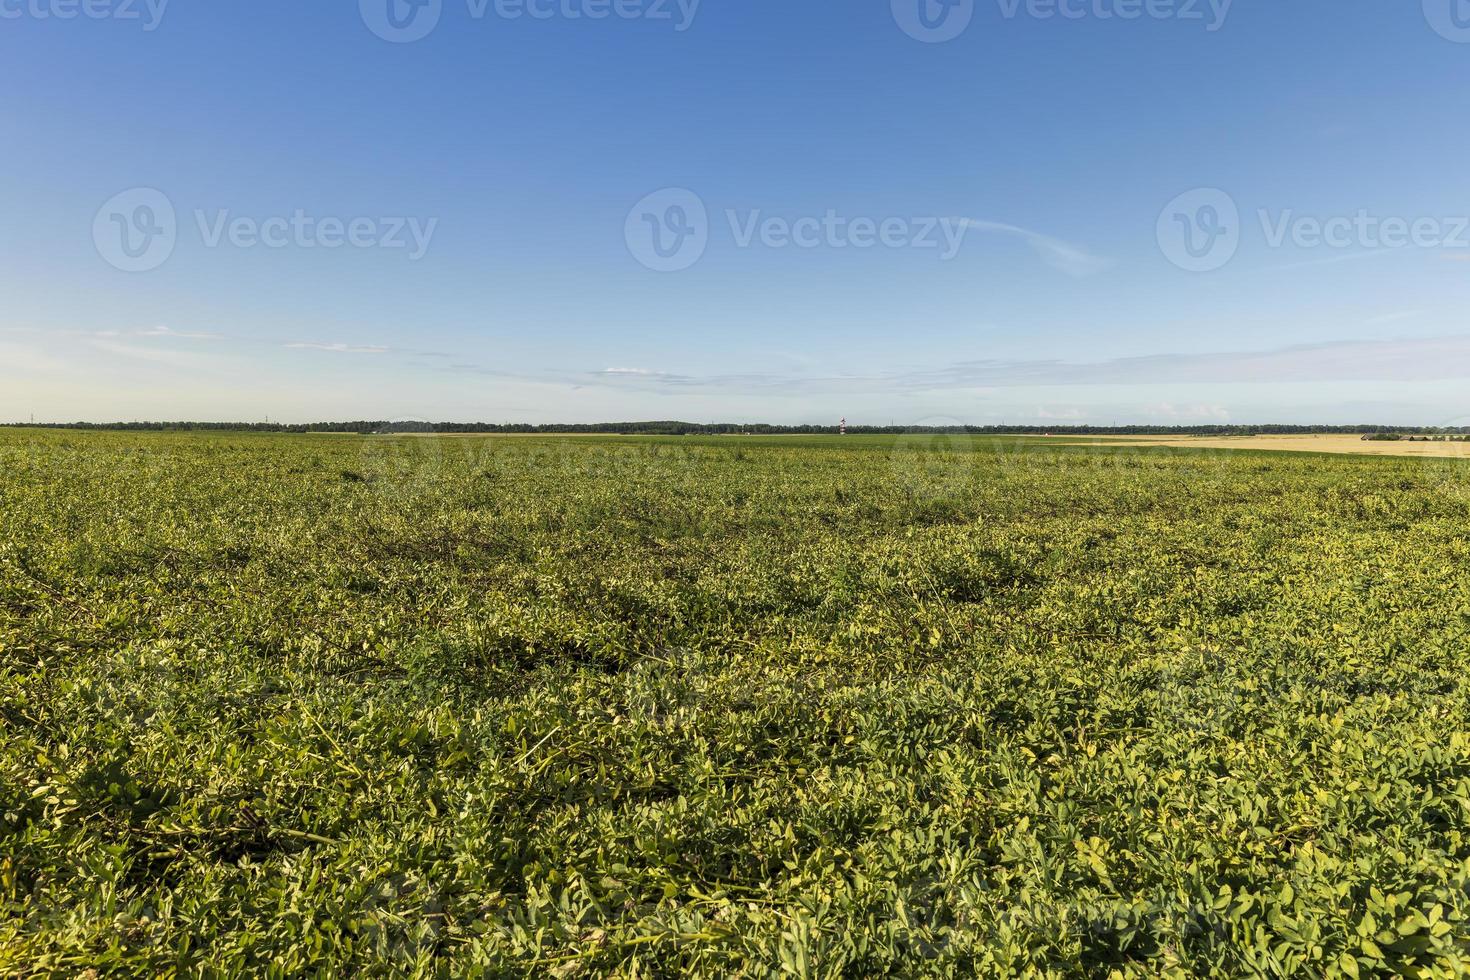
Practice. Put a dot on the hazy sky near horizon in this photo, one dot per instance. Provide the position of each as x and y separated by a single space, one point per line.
893 211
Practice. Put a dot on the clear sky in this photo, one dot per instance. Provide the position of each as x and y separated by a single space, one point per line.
898 211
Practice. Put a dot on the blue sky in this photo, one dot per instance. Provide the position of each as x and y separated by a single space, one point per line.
492 189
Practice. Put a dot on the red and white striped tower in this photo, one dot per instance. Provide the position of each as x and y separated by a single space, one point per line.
842 429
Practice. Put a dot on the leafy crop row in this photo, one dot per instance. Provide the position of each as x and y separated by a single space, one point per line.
925 706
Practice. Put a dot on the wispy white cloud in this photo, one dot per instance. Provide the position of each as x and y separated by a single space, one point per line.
1431 359
1189 413
162 331
1069 259
1394 317
1372 253
159 331
340 348
16 359
156 355
1052 414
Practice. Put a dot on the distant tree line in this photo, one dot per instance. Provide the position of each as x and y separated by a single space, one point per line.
731 428
1437 435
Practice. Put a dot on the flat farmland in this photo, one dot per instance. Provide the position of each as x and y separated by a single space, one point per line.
917 706
1339 444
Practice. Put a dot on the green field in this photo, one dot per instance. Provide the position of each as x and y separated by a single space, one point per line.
729 707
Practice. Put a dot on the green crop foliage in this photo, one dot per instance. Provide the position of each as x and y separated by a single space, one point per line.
812 707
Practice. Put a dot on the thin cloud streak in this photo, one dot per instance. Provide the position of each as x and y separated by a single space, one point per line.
162 331
1434 359
339 348
1072 260
153 332
156 355
1376 253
